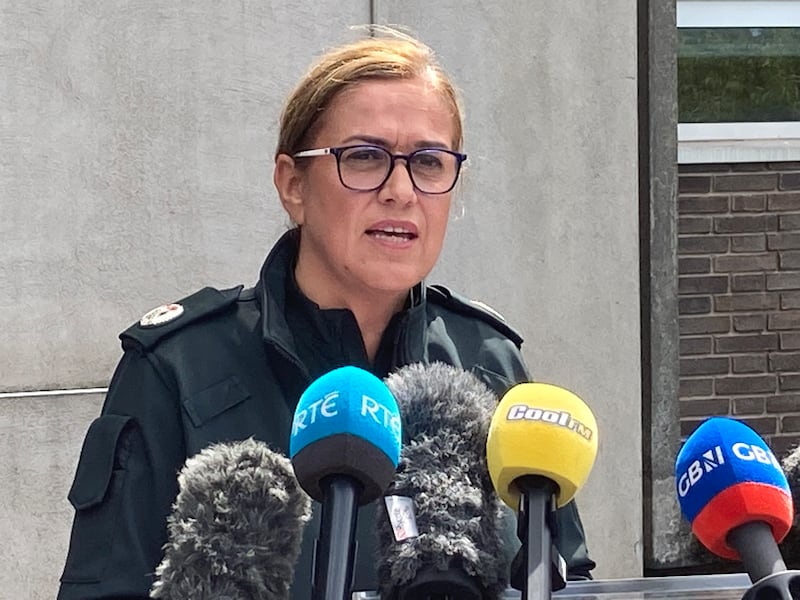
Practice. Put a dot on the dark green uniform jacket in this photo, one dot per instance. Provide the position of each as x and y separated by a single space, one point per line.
232 366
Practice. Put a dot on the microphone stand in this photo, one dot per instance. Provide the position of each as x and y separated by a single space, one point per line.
335 552
765 566
537 503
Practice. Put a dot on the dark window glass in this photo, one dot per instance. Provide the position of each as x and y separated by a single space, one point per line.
738 74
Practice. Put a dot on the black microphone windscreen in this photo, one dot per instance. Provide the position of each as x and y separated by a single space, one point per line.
446 413
236 526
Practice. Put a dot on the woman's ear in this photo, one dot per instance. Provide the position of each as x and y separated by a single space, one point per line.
288 180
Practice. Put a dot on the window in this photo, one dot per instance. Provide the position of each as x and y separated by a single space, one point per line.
738 80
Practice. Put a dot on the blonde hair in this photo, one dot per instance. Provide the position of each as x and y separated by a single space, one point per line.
390 55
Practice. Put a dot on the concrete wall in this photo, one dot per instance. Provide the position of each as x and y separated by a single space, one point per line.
551 225
135 166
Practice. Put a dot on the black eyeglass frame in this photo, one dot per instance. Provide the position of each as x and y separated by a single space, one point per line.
338 150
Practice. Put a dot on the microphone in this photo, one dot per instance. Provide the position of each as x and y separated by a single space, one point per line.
541 446
444 534
732 490
344 446
236 526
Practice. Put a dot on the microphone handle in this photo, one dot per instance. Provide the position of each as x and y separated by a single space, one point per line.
757 549
537 502
333 572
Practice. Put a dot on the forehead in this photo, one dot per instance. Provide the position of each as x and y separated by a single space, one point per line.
390 109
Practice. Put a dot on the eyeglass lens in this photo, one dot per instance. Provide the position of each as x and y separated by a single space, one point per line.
366 168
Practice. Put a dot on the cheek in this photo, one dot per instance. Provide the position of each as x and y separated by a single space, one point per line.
327 203
322 186
438 218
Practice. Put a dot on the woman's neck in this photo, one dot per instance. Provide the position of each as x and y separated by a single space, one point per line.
373 323
372 311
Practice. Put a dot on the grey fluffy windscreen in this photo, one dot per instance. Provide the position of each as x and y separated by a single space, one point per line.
446 413
236 526
790 547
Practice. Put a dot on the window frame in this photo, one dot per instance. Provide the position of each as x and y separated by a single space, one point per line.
738 142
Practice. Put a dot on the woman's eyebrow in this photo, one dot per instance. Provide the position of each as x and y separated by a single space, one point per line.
368 139
378 141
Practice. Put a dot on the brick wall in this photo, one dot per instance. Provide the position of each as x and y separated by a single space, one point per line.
739 297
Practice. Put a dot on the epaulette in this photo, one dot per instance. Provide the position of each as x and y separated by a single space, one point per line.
168 318
458 303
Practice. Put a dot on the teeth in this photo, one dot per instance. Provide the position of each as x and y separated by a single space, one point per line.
395 230
391 236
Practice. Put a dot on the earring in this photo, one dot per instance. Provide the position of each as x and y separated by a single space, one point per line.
458 209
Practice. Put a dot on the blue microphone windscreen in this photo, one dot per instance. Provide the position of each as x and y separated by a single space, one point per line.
347 400
722 453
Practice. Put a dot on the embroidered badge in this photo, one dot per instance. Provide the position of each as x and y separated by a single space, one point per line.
161 315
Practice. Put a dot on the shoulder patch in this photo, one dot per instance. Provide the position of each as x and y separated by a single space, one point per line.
439 294
168 318
161 315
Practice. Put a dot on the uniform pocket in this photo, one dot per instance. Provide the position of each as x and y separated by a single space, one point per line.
214 400
95 495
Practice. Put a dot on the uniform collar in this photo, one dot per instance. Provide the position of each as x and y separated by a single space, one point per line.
283 305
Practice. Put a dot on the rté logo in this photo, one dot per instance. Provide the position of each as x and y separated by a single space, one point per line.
326 408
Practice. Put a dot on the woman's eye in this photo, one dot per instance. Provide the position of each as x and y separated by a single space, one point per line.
428 160
364 155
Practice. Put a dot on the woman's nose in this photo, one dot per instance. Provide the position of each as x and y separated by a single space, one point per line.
399 187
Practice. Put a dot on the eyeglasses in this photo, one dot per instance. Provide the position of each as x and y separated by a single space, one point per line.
366 168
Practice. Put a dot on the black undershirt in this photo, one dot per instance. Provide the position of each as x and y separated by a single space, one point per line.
326 339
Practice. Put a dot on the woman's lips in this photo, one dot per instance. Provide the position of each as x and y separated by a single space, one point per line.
393 233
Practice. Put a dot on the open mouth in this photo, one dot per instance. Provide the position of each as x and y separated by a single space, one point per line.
392 233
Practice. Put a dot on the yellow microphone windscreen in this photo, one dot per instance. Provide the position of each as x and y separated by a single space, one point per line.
541 429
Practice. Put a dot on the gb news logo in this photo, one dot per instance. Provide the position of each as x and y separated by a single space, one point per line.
714 458
327 408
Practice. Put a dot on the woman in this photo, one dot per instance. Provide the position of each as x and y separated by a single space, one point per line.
369 153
